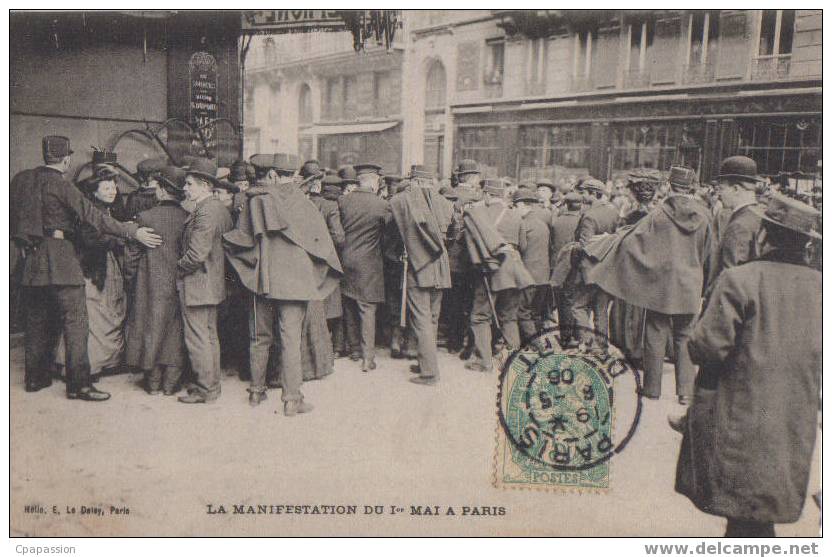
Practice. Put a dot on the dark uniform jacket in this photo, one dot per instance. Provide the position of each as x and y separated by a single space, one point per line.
541 213
457 251
600 218
536 253
154 326
42 201
562 232
138 201
739 241
332 215
202 265
748 447
364 216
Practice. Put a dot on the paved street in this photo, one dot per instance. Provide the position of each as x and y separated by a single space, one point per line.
373 439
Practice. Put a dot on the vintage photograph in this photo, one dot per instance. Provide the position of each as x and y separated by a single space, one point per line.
416 273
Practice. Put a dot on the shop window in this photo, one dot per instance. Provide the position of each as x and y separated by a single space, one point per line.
553 151
655 146
782 146
481 145
305 105
435 87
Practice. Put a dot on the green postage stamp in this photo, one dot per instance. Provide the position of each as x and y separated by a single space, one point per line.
563 415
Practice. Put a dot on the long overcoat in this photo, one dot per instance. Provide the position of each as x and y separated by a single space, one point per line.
364 217
748 445
664 262
154 323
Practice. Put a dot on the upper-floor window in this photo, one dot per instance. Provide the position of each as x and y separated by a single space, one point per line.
583 54
332 98
350 96
776 32
641 40
536 61
305 105
495 56
383 93
435 87
704 38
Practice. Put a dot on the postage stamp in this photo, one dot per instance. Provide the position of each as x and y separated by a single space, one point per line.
563 415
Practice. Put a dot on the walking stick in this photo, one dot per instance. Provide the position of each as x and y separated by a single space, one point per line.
403 306
494 310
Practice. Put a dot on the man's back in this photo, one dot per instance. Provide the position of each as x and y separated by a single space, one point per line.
563 230
363 216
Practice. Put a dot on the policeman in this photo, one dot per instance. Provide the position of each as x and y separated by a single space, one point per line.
46 211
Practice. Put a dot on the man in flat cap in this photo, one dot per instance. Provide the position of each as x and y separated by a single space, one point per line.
535 255
739 235
749 435
562 231
590 303
364 217
499 239
422 218
463 275
46 209
201 278
664 264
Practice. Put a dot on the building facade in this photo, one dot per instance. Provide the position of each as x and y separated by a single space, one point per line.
313 95
551 93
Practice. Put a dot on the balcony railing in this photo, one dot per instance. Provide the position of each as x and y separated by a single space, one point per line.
765 68
636 79
698 73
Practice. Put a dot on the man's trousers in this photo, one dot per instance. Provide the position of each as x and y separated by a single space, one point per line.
591 311
284 318
506 303
203 344
657 328
532 310
423 306
360 320
50 311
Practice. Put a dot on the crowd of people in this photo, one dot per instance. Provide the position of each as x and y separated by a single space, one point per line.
276 269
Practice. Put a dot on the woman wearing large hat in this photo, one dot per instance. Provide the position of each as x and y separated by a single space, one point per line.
103 279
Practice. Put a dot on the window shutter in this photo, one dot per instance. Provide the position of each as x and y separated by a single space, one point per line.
664 54
605 55
732 61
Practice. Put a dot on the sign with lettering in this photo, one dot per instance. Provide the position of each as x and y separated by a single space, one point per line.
203 101
291 21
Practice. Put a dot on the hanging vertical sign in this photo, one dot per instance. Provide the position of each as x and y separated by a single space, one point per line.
203 103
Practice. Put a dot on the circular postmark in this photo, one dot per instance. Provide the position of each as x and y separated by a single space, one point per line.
565 409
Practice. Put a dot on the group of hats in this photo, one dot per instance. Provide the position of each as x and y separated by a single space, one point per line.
781 210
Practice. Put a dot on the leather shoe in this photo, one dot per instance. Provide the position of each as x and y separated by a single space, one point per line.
368 365
35 386
645 395
194 398
476 366
255 398
415 369
355 356
396 354
90 394
422 380
466 352
292 407
154 391
685 400
678 423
